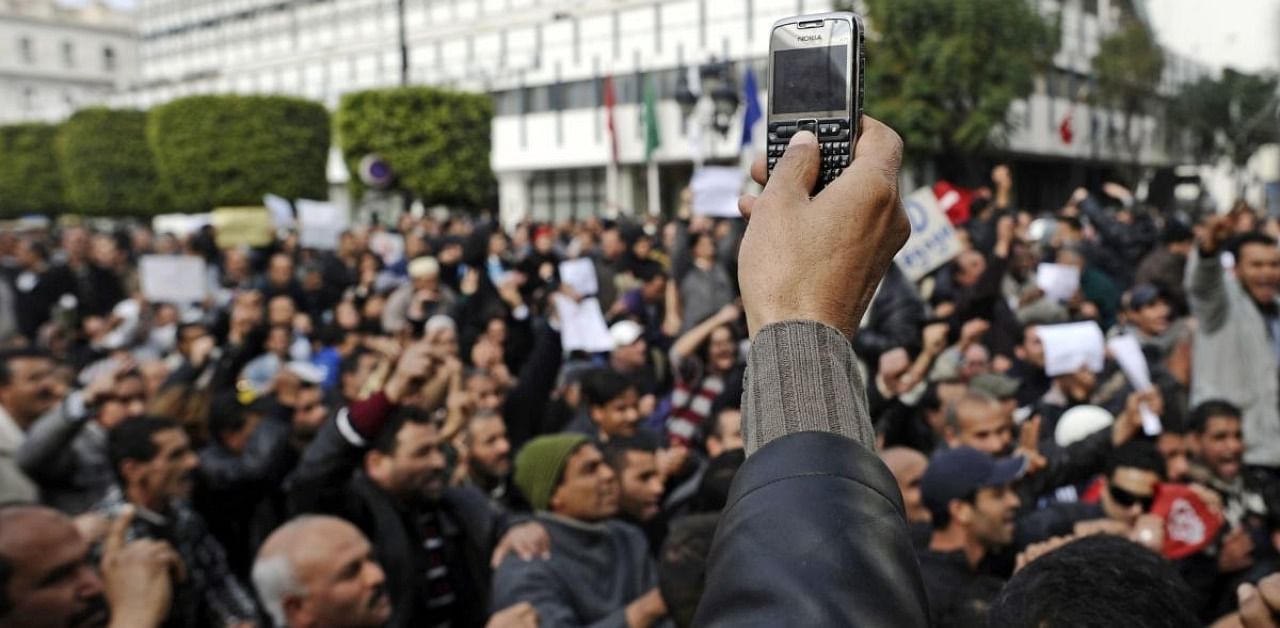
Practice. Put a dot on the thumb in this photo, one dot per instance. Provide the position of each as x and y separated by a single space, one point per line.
797 171
119 530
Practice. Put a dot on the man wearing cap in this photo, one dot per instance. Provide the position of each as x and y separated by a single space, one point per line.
1146 314
600 572
420 299
630 357
972 504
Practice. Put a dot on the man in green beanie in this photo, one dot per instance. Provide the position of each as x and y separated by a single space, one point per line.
601 572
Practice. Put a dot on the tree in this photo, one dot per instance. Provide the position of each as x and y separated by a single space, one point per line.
106 166
435 140
29 179
215 151
943 73
1128 68
1232 116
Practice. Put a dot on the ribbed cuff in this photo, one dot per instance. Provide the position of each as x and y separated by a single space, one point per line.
802 376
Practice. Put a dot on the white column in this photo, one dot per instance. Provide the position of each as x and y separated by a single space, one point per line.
654 194
513 198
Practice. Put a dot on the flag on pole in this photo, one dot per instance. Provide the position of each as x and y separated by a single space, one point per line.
610 99
652 139
753 113
1064 130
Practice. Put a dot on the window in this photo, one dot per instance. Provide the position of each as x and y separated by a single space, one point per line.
507 103
581 94
68 54
108 59
26 50
1091 7
28 99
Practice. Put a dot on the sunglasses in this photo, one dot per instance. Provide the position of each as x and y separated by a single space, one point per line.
1125 499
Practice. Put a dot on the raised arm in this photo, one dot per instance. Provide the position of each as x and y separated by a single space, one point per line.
808 269
1205 284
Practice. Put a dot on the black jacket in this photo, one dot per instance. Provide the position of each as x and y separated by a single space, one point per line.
325 483
813 535
894 319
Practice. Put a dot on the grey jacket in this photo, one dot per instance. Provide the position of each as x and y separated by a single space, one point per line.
15 486
595 570
66 453
1234 360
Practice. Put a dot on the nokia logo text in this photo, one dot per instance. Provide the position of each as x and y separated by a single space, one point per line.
809 38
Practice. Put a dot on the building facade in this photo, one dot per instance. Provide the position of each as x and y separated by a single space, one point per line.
546 61
56 60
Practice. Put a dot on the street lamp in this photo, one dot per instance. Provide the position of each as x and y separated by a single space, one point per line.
716 78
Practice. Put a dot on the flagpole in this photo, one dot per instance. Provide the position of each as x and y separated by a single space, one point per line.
612 207
655 204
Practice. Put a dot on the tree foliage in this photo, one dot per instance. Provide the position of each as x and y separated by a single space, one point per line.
436 141
29 177
1231 116
1128 69
106 166
215 151
943 73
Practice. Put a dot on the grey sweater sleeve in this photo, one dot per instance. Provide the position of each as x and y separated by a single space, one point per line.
802 376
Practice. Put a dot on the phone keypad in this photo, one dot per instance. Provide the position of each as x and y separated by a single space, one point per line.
835 139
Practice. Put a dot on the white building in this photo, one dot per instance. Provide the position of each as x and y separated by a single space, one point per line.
55 60
544 61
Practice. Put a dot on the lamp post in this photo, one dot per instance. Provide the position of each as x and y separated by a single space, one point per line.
709 95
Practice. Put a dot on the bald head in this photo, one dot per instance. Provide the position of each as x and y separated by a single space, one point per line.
49 579
978 420
318 571
907 466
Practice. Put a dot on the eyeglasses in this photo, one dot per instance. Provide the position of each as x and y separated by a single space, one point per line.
1125 499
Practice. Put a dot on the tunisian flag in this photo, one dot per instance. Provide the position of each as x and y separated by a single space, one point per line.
609 101
1189 524
1064 130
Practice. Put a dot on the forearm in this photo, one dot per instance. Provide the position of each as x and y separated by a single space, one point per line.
687 344
46 452
802 376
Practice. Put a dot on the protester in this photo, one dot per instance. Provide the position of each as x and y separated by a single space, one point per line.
392 387
600 571
155 466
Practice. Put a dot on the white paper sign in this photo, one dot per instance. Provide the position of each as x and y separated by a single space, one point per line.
580 274
716 190
319 224
1128 354
582 326
180 224
933 240
281 211
1071 346
1059 282
173 278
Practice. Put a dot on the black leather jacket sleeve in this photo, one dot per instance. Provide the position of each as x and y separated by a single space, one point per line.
813 535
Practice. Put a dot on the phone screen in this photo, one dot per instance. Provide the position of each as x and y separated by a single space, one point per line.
810 79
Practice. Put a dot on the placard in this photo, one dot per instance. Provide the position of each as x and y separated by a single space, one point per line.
933 240
242 226
173 278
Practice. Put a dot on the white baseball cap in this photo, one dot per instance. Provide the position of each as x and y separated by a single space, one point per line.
1079 422
625 332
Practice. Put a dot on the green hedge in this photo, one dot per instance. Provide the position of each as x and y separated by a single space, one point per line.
29 177
106 165
436 141
215 151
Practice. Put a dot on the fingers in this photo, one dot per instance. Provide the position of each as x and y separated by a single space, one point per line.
1254 611
878 154
1030 437
797 171
760 171
119 529
499 554
745 203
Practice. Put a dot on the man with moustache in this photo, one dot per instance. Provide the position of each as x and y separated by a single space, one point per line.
388 478
47 578
486 462
635 461
973 505
319 572
26 393
600 573
155 466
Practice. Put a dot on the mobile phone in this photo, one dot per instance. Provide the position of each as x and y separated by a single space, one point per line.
815 84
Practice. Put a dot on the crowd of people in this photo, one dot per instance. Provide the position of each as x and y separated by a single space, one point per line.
343 438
